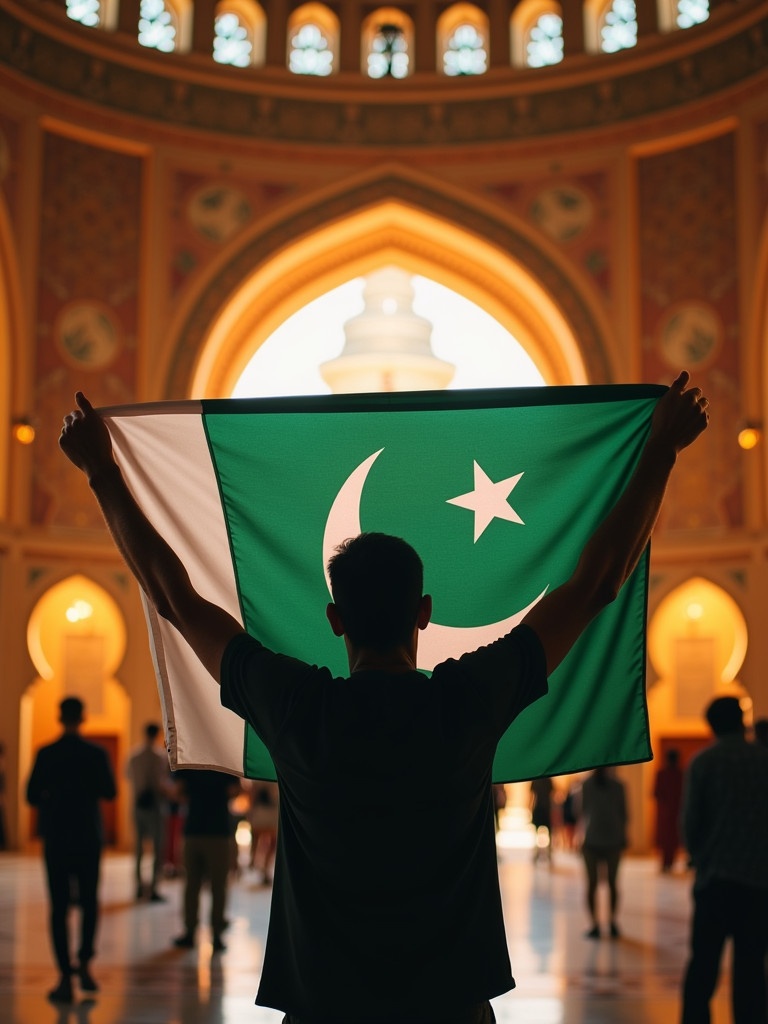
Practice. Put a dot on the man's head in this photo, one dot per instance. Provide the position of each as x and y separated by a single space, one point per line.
376 582
71 711
724 716
151 730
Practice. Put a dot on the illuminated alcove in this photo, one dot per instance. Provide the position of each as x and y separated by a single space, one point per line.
697 641
76 639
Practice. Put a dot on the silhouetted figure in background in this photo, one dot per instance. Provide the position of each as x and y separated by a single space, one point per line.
542 792
725 829
263 818
147 770
207 844
68 779
569 815
604 818
668 793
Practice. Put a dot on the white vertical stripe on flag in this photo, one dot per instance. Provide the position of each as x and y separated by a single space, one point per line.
164 456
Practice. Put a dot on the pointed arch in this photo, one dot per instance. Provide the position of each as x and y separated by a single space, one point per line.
392 219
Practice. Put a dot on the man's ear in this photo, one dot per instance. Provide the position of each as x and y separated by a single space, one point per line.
332 614
425 611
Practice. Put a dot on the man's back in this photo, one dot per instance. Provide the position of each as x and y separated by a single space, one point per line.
386 900
69 778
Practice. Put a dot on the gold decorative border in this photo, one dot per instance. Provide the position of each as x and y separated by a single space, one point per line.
584 92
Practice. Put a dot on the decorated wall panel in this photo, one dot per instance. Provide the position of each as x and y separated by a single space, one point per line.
87 305
690 316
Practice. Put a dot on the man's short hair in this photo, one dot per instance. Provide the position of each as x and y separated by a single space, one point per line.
724 716
377 582
71 711
151 729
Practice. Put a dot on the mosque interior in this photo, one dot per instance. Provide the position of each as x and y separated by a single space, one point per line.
180 177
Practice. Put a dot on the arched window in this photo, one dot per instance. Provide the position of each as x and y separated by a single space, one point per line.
536 31
462 40
618 26
239 33
313 40
165 25
692 12
94 13
609 25
674 14
387 42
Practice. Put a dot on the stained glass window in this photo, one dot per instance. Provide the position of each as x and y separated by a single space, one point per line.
231 41
87 12
692 12
465 53
545 41
157 27
310 52
389 53
619 31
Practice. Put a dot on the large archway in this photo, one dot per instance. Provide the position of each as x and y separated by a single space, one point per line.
391 221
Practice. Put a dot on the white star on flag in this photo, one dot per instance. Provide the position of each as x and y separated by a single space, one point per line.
488 500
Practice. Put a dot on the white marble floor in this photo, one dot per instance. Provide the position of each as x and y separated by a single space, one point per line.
562 977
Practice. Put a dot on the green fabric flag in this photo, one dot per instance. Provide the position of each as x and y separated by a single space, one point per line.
497 490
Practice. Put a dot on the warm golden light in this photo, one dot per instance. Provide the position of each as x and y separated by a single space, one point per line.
78 611
749 437
694 611
23 432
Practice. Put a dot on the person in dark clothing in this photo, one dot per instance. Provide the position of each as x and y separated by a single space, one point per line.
357 936
207 844
725 829
668 793
603 811
68 779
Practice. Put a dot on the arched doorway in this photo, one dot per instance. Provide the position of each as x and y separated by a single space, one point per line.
697 641
76 639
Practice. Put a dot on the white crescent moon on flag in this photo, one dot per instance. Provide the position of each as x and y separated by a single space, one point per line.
436 642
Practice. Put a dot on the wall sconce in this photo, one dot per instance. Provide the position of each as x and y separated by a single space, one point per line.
750 434
23 430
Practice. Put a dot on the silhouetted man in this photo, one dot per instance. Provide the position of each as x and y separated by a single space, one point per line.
386 907
68 779
208 842
148 772
725 826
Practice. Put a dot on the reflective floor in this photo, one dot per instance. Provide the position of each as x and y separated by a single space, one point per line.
563 978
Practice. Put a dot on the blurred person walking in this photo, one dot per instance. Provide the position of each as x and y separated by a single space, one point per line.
668 793
604 819
68 779
147 769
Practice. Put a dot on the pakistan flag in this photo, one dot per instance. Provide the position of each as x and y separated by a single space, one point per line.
497 490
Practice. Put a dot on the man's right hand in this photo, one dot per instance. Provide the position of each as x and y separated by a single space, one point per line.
85 439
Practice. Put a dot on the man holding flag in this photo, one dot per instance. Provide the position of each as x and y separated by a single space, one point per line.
361 933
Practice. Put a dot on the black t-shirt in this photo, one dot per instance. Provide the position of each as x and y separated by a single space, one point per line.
386 903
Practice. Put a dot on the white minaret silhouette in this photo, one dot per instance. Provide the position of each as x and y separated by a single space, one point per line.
387 346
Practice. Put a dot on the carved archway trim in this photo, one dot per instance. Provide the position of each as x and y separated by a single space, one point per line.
391 219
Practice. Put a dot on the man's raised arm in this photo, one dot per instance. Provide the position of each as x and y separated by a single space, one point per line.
86 442
614 549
